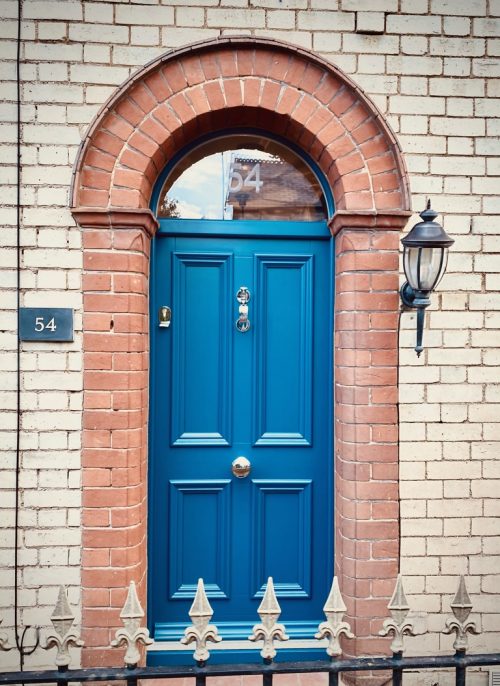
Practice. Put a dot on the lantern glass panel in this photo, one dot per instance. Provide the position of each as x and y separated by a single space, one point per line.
424 267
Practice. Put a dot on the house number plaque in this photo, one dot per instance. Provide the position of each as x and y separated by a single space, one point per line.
46 324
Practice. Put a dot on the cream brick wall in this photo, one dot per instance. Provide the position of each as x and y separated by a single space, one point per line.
432 67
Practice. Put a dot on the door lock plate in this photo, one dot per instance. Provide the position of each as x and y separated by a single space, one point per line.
164 316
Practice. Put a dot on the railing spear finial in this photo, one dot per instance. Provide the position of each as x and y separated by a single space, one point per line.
132 634
461 608
269 611
397 624
201 631
334 627
62 620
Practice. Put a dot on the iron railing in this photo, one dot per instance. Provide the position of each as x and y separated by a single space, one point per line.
397 664
201 632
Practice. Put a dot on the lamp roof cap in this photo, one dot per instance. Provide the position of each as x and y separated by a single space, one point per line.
427 233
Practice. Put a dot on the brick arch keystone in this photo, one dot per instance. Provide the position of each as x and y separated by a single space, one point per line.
183 95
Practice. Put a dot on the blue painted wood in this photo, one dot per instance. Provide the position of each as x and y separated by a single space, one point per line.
201 390
230 631
186 537
264 394
242 657
283 349
288 559
240 228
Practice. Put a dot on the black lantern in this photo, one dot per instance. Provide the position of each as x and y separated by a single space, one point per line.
424 261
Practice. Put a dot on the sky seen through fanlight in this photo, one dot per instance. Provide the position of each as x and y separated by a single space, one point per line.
200 191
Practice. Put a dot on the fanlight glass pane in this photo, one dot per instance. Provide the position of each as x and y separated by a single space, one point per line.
242 177
424 267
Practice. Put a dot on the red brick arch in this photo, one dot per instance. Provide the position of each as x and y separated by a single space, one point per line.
205 89
240 82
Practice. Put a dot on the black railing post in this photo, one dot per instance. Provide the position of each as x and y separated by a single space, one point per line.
397 672
460 669
131 680
63 668
333 677
267 677
200 679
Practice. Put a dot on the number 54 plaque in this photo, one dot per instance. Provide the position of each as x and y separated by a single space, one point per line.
46 324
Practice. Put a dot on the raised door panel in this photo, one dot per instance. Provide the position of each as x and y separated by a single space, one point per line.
281 540
199 520
283 350
202 349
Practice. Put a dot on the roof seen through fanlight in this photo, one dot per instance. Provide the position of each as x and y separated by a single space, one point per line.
247 177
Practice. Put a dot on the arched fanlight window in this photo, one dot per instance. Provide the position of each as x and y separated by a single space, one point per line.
242 177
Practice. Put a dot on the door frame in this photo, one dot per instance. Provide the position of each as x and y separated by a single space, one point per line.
201 88
225 229
233 649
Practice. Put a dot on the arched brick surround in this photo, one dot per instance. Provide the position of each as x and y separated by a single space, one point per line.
177 98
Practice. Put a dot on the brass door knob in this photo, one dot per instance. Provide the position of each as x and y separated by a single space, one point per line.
241 467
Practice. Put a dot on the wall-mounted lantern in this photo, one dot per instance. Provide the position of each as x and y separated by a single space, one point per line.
424 261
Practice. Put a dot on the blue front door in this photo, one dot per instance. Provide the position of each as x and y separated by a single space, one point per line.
222 393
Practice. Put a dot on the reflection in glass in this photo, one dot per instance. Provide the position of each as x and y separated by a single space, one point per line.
242 177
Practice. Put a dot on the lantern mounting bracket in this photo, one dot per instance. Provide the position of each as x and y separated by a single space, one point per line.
411 298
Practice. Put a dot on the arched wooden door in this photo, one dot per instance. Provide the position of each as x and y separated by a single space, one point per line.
242 370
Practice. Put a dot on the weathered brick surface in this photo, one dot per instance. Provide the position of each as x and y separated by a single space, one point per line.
349 140
366 473
434 74
115 294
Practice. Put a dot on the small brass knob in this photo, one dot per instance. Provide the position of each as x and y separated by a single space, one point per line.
241 467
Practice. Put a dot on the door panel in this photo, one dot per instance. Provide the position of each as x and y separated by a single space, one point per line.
286 558
220 393
201 388
186 537
283 401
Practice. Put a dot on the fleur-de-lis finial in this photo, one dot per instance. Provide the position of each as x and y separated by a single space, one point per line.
201 631
334 627
461 608
62 620
397 624
132 634
269 611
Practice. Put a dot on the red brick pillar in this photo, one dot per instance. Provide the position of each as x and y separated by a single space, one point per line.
366 420
115 325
